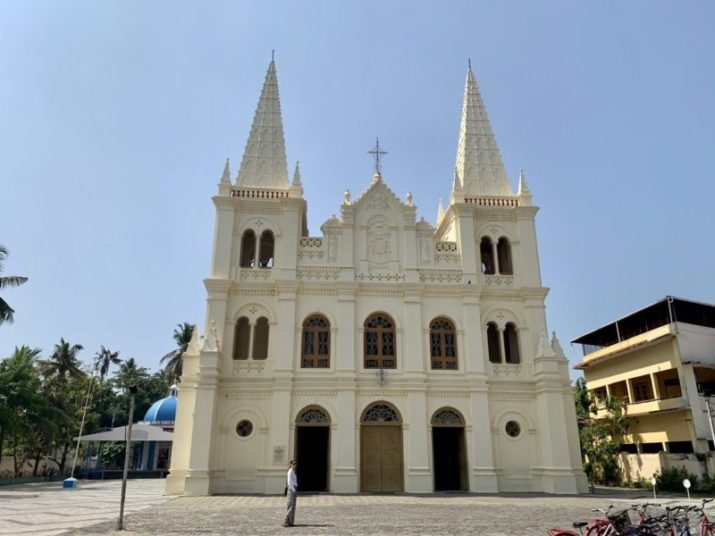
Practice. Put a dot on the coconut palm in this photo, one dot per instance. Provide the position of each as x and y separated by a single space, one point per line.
63 363
104 359
182 336
7 281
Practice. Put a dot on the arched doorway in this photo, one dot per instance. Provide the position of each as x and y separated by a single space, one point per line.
448 451
312 449
381 449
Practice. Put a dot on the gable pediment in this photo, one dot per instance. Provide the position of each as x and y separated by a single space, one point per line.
378 199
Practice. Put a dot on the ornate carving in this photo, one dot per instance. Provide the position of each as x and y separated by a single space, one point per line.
317 273
446 246
311 242
499 280
387 278
312 416
378 202
248 367
447 417
506 370
381 413
440 276
254 274
379 240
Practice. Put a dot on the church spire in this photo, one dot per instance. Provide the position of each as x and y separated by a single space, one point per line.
479 163
264 163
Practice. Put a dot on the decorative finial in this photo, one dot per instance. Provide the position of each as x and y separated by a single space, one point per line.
226 177
273 54
346 198
296 174
377 153
469 63
409 199
194 346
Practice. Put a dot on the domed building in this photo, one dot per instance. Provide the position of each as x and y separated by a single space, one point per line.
155 455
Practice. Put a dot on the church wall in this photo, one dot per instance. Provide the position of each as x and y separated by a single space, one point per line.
374 258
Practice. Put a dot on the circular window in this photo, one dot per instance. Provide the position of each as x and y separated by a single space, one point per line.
244 428
512 429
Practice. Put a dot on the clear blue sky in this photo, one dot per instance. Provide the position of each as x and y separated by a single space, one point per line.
116 119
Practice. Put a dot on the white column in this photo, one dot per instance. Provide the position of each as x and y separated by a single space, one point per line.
419 477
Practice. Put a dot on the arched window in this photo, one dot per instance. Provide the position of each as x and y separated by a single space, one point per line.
493 343
316 343
260 339
242 341
511 344
504 256
265 258
380 342
443 344
248 249
487 255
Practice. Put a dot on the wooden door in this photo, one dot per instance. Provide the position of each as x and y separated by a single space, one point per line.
381 458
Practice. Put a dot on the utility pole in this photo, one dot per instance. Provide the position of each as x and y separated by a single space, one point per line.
132 392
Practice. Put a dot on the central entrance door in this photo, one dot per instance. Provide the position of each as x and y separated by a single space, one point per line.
381 450
312 449
448 451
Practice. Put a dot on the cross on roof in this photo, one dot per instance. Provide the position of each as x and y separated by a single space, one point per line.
377 152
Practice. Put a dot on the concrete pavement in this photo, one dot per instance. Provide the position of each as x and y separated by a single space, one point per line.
92 509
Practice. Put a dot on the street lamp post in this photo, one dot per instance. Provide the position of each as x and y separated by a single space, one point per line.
132 392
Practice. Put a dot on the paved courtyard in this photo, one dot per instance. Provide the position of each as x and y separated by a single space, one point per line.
47 510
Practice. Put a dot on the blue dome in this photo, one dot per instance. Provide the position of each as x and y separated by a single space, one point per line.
162 411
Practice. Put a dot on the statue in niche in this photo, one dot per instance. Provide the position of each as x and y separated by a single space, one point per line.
379 241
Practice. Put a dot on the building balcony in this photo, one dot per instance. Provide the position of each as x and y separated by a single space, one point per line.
651 406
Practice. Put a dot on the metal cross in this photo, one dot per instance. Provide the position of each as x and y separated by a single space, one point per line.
377 153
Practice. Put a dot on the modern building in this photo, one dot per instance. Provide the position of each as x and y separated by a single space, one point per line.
661 361
386 354
151 440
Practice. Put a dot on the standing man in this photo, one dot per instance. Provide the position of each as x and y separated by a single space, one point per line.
292 489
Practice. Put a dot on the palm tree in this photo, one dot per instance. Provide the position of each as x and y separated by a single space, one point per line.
63 363
182 336
7 281
104 359
130 373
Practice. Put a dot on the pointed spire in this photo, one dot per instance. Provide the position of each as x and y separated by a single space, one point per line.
479 163
194 347
457 195
523 192
523 187
224 185
544 349
296 187
264 163
440 213
296 174
556 346
226 177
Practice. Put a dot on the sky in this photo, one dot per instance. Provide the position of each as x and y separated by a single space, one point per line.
116 119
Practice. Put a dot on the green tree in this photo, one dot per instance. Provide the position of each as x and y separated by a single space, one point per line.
8 281
63 363
172 360
601 431
104 359
27 418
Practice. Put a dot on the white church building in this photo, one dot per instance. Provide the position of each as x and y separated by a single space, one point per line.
386 354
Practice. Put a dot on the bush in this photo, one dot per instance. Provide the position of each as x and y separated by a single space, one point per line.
672 479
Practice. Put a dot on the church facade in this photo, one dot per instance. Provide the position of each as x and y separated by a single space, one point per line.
385 355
